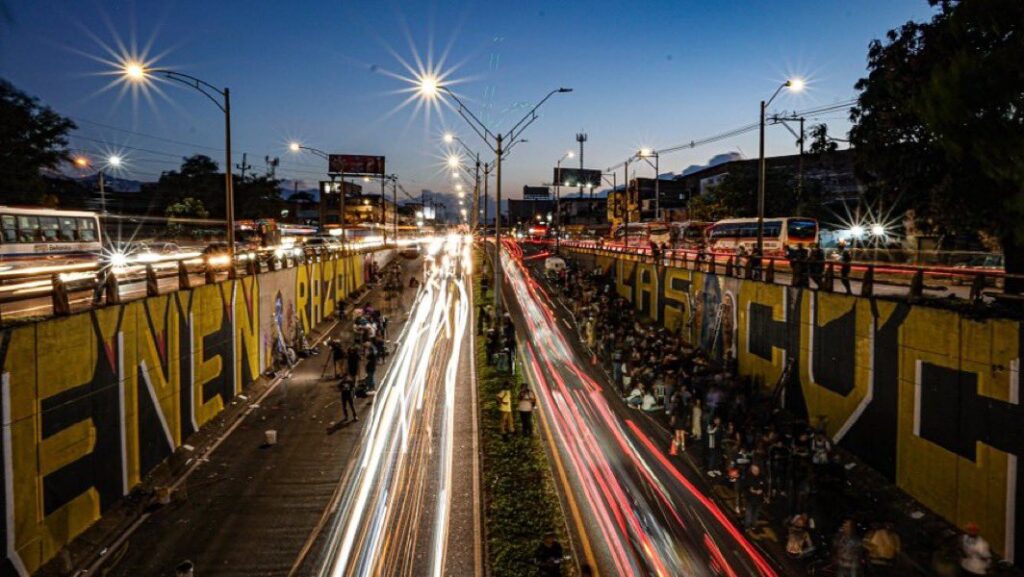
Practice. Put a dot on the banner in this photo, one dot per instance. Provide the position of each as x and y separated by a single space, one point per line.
355 164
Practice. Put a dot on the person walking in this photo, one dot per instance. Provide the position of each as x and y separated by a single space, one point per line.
505 411
346 387
679 414
526 405
845 263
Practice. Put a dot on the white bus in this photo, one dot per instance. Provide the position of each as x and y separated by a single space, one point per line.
47 237
779 233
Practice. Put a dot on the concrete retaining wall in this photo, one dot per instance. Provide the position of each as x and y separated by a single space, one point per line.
93 402
928 397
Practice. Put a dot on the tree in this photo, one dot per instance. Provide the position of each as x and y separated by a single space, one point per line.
197 179
939 122
32 138
258 197
185 208
821 144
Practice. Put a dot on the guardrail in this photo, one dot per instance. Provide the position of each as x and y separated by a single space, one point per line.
919 281
106 281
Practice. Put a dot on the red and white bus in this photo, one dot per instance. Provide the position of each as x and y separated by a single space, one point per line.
779 233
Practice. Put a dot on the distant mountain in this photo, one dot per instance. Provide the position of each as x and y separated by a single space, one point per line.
111 183
715 161
290 187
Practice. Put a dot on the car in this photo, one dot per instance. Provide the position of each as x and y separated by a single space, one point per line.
318 244
217 256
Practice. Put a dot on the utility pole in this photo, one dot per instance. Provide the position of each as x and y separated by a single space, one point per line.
800 164
244 167
499 139
271 166
394 200
581 137
476 195
625 217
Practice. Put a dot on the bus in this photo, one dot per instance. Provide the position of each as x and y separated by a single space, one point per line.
688 234
779 233
642 234
46 237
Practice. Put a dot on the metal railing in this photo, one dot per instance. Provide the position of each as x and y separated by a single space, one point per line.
973 284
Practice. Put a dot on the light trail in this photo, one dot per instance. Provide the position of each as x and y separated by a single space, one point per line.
396 499
647 517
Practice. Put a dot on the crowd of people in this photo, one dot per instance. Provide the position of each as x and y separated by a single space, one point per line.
759 458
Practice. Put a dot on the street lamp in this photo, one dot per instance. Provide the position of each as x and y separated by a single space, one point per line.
646 153
430 87
451 138
137 72
558 197
794 85
113 161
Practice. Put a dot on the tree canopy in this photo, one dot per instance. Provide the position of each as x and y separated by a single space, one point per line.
32 138
939 123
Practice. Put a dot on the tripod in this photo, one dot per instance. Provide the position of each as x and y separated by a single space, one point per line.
331 362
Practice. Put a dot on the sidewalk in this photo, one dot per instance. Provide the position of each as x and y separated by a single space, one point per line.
248 508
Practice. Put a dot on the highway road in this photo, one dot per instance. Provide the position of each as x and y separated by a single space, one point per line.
398 514
633 509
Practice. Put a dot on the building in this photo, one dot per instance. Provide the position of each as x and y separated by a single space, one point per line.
330 204
834 171
522 211
369 209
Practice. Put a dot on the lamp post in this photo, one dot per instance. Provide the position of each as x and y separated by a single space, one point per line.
221 97
451 138
558 197
794 85
430 87
645 154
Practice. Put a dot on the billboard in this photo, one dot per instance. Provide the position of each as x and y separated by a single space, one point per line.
536 193
574 176
355 164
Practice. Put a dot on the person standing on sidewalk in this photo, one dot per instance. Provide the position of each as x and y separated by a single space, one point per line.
713 446
505 411
696 419
527 403
346 386
845 262
371 367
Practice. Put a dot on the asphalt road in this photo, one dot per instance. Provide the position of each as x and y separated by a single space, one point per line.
249 509
633 509
404 510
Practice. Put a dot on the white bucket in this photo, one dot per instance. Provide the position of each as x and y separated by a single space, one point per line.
271 435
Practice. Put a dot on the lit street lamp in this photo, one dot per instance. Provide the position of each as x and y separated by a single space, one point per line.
137 72
451 138
647 153
430 87
794 85
113 161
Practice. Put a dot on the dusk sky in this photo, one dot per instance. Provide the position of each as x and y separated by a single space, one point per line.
323 72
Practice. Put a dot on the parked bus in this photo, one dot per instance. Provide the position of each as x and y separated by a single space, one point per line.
44 237
779 233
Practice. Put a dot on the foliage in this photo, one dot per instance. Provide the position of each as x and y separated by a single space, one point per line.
185 208
736 196
32 138
258 197
520 503
939 123
199 179
821 144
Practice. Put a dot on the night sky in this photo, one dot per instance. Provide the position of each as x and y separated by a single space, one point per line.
323 72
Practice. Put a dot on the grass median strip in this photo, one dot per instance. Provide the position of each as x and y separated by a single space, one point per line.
520 502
